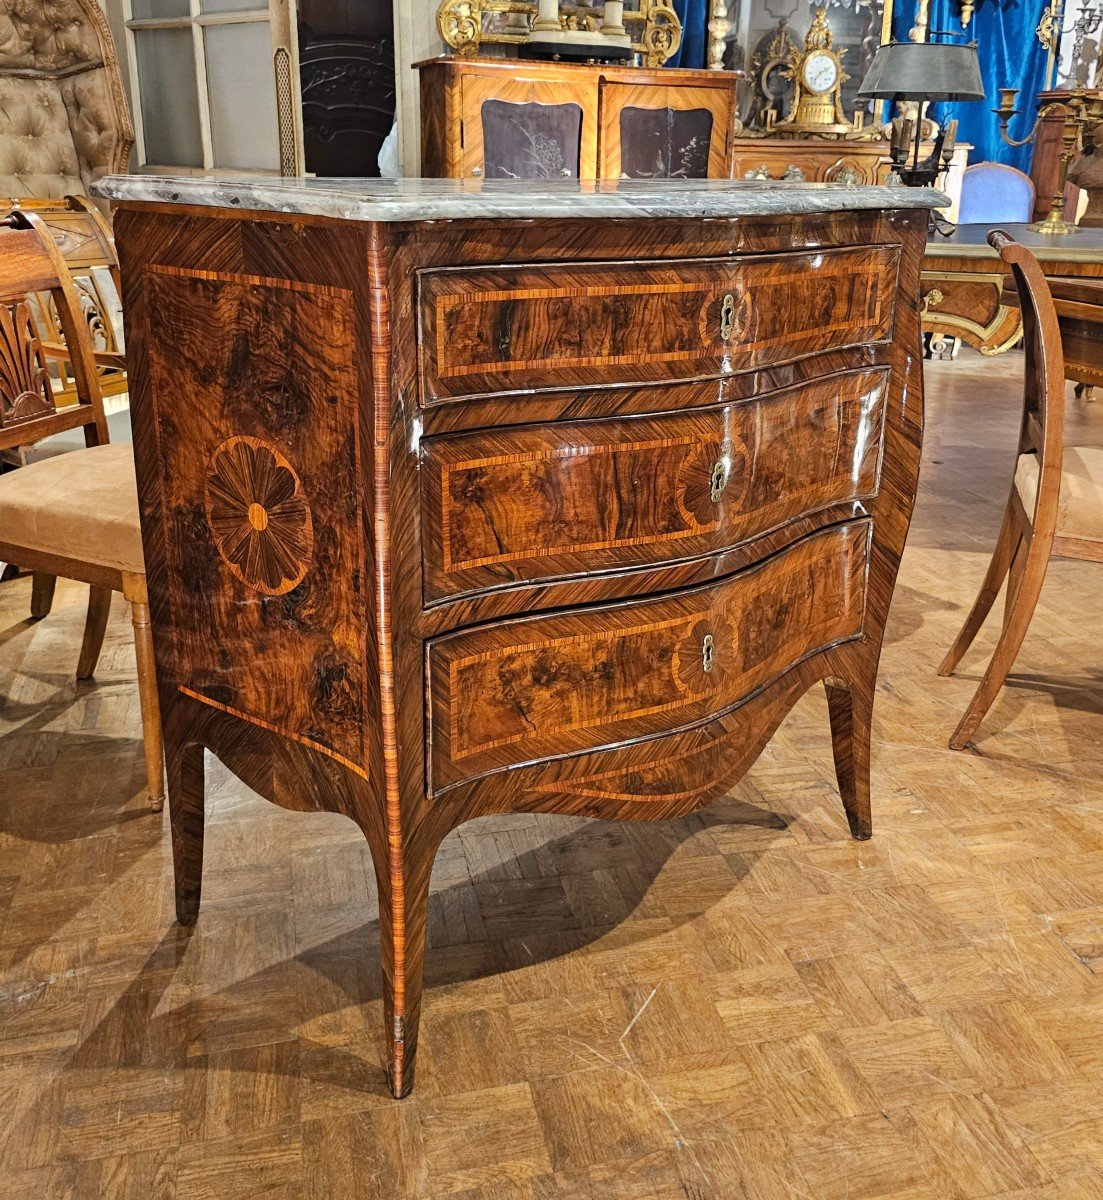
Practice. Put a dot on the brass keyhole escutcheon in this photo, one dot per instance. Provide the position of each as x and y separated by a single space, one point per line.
708 653
727 317
717 480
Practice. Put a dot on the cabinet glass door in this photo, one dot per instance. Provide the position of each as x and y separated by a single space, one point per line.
664 132
526 130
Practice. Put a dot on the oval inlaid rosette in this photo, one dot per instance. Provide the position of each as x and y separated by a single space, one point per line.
258 516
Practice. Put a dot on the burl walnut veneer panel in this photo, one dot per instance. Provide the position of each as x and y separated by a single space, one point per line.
573 497
262 531
561 326
448 518
531 689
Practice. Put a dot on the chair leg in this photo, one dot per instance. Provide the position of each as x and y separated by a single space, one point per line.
851 715
1015 579
42 594
1023 596
1008 541
147 696
95 626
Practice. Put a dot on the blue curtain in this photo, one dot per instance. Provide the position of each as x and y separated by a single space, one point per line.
694 48
1010 56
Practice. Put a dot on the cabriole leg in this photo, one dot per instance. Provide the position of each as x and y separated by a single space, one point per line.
851 713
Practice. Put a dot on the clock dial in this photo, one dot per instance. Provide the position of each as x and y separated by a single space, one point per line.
820 72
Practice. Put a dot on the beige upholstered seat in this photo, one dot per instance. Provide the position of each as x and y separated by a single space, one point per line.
1080 509
63 115
83 505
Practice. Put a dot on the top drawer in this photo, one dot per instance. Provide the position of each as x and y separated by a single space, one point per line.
487 330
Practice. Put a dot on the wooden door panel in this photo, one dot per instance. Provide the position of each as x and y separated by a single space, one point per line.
527 129
558 500
551 326
525 690
664 132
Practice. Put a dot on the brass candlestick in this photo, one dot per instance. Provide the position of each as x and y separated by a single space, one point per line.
1083 114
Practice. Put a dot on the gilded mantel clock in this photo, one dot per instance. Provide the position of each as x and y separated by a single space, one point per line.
817 74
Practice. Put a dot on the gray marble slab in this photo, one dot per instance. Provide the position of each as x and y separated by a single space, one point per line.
450 199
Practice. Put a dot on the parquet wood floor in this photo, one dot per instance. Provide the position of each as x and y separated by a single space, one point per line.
745 1005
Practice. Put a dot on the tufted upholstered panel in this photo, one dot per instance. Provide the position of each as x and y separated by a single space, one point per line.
46 35
63 115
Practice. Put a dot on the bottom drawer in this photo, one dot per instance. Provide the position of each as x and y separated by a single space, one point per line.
534 688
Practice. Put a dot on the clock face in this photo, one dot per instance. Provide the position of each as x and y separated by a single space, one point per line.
820 72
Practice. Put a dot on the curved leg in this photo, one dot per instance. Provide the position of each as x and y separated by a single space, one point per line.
185 779
42 594
1008 541
95 626
1023 595
403 913
851 713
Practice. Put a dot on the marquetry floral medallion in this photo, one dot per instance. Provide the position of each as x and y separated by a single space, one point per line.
258 515
25 391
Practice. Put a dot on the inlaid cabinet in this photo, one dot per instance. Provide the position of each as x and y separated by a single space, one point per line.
467 499
497 118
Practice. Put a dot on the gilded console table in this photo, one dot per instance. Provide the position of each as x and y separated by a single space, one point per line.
964 283
463 499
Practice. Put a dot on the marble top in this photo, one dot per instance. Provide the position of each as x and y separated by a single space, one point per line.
448 199
971 241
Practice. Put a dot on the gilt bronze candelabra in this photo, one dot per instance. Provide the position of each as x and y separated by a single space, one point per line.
1083 114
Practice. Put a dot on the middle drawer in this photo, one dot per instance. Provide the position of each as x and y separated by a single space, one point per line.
565 499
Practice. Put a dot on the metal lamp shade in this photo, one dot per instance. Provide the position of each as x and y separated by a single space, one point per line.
923 71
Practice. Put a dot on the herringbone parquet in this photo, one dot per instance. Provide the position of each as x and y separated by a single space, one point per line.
743 1005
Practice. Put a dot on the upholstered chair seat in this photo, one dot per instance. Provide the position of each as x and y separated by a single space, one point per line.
1080 507
81 505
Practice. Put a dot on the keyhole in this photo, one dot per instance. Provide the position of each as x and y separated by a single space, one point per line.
727 317
717 479
707 653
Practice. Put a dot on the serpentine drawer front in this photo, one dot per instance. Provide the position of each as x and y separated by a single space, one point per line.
568 498
447 515
528 689
558 325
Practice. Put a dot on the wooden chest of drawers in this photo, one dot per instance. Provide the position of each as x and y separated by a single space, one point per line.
446 517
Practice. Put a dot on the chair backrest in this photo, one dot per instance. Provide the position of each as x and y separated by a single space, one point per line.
31 264
1043 425
992 192
83 236
64 121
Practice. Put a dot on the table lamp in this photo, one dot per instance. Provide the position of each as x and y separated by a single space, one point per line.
922 71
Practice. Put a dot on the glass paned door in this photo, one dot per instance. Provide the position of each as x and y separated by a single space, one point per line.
215 84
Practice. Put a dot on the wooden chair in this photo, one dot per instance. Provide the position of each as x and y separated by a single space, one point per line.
75 514
84 238
1055 506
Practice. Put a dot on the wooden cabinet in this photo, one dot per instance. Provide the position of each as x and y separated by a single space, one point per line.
510 119
548 513
830 161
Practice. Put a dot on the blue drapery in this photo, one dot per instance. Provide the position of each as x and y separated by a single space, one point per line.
1010 56
694 17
